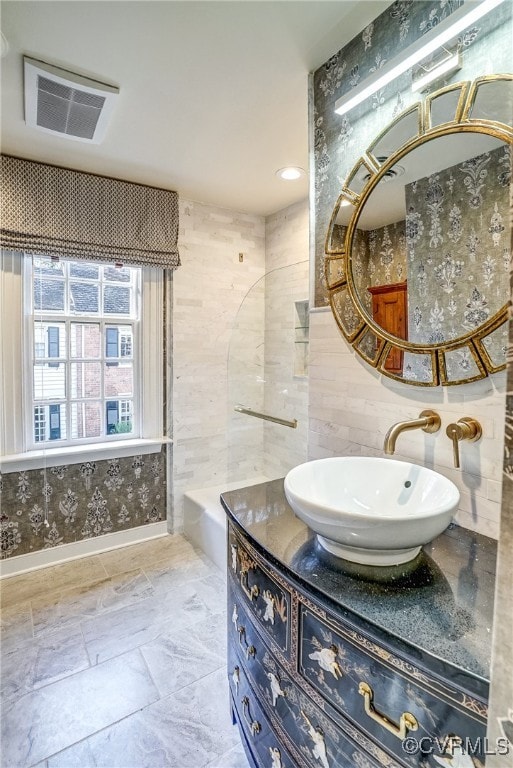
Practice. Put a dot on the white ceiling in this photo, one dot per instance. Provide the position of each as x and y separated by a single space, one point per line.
213 95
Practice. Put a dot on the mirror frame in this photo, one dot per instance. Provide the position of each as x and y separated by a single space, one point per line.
338 264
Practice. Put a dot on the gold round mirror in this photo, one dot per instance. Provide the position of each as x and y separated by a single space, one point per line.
419 243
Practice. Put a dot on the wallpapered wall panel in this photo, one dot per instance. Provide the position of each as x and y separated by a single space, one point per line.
381 261
458 256
340 140
44 508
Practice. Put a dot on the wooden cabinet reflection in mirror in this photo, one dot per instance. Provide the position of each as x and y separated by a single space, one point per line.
389 312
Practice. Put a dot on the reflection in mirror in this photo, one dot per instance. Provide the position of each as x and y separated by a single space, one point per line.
496 345
444 107
493 101
335 271
462 360
370 346
359 177
397 134
345 312
438 221
425 235
418 368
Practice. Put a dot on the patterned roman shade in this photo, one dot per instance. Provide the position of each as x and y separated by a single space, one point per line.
60 212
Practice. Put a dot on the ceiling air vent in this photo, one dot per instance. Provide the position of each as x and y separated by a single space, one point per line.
61 102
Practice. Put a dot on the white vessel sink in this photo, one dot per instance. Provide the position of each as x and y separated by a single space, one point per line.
373 511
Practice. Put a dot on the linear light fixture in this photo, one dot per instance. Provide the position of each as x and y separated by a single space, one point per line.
440 35
450 64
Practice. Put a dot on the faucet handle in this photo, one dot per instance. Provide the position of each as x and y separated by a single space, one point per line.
466 428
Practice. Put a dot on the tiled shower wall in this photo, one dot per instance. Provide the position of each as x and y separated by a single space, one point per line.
233 343
208 290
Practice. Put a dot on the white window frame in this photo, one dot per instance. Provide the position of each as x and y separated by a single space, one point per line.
66 317
16 451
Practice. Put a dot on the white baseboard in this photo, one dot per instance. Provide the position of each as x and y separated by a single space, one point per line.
65 552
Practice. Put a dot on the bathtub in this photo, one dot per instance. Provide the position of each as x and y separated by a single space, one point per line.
205 519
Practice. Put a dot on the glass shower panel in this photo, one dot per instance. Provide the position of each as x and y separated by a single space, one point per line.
263 379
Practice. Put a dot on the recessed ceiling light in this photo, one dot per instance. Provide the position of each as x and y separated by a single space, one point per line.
290 173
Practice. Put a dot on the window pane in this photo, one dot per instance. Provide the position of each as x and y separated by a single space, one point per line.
126 346
49 381
118 417
49 422
50 342
44 267
116 300
85 380
116 274
118 380
48 294
85 420
82 269
85 340
84 297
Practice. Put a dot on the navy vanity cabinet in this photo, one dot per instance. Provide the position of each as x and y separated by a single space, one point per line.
327 690
386 696
260 741
267 600
264 692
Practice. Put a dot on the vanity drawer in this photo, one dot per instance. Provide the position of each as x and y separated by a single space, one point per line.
257 732
301 726
386 697
255 587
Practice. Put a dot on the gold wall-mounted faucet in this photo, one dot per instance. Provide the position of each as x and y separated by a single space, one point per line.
428 421
464 429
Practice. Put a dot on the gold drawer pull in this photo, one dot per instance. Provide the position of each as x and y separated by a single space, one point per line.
243 641
252 592
253 724
407 721
246 565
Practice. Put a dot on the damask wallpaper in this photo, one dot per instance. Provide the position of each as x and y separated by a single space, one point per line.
379 258
338 141
459 253
44 508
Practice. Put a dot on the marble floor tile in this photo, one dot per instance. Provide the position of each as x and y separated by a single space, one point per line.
183 656
48 720
118 631
73 605
75 573
121 670
235 758
188 729
42 662
26 586
15 625
59 655
213 592
167 576
141 555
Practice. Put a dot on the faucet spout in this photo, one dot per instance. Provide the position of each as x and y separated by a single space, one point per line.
429 421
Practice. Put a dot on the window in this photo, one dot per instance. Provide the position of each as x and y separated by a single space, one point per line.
81 350
82 320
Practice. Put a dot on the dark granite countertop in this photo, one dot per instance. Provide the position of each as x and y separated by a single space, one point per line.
440 605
